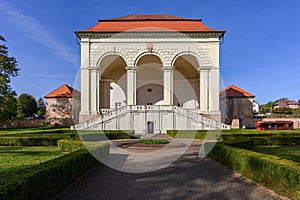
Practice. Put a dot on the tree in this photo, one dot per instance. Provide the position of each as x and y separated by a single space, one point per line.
8 108
41 107
266 108
8 69
27 105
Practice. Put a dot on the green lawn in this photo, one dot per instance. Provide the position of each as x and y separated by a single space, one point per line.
285 152
14 158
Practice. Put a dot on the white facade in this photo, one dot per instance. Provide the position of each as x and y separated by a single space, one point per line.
153 69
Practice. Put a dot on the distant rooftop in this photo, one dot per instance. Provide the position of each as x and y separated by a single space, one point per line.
234 91
64 91
147 23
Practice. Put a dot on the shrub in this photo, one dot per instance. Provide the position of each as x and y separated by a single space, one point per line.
197 134
153 141
108 134
34 139
70 145
49 178
283 176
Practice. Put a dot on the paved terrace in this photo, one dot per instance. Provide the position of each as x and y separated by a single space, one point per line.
188 178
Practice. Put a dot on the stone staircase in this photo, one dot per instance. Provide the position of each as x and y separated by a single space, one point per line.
126 112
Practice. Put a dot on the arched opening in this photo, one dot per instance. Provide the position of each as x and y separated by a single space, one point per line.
113 82
149 81
186 83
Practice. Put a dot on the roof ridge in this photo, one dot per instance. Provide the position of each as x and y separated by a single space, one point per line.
238 89
64 90
148 17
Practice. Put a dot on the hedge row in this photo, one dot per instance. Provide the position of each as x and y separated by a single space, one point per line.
106 134
38 140
247 143
282 176
227 135
48 179
194 134
51 139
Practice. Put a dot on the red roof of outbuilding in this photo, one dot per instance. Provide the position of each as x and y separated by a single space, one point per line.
234 91
150 23
64 91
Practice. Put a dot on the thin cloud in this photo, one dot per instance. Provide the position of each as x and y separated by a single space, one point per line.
38 33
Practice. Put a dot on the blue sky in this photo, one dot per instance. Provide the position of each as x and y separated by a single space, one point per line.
260 53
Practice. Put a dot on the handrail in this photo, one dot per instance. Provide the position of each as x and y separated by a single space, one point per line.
108 115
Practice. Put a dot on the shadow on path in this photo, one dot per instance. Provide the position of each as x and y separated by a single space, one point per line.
187 178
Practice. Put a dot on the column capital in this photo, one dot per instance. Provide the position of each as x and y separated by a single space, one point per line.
165 68
130 67
204 68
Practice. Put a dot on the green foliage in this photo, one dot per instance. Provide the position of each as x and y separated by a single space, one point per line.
70 145
266 108
18 158
151 141
233 134
40 138
8 69
46 180
284 152
8 107
282 176
197 134
106 134
27 105
43 129
41 107
282 110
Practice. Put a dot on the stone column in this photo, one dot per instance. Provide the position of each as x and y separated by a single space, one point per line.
85 76
85 91
214 89
168 85
131 85
94 96
204 89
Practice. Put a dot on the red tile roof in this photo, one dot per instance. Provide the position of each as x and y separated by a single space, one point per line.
148 23
234 91
64 91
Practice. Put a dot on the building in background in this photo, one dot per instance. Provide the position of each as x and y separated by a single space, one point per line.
62 106
236 107
286 103
255 107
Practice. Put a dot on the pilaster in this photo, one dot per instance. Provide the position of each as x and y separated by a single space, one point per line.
204 89
131 85
168 85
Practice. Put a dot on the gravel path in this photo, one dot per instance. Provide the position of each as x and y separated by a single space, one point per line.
187 178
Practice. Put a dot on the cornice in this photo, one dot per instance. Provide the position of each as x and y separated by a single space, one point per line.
150 35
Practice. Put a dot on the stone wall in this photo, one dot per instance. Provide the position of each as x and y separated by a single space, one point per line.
239 112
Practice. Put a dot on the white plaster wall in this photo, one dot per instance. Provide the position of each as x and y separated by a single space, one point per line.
93 50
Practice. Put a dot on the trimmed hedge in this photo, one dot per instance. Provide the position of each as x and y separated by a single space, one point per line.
226 135
34 140
109 134
151 141
282 176
70 145
49 178
248 142
197 134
